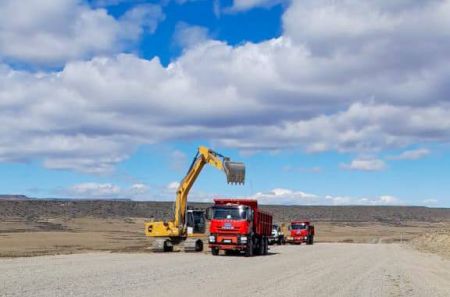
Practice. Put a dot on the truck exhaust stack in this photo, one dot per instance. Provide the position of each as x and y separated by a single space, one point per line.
235 172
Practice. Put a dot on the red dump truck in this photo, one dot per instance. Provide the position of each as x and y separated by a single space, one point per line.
238 225
301 232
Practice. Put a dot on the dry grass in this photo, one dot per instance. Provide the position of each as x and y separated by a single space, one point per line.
437 242
76 236
40 227
19 237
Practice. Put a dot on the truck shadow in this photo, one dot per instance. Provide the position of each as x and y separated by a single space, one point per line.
243 255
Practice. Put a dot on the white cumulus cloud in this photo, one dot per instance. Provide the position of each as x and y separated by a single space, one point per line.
243 5
94 190
411 155
347 76
51 32
365 164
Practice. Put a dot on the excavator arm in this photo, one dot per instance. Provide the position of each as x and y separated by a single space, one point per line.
175 229
234 171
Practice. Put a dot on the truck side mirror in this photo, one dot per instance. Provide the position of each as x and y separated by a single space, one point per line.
208 213
250 216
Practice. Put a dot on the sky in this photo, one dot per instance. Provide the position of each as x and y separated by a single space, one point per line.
327 102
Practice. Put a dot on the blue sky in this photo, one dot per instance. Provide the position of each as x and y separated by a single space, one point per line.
327 102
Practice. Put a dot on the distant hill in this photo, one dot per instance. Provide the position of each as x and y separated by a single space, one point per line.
14 197
33 209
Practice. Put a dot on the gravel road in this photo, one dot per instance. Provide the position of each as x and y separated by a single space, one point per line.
319 270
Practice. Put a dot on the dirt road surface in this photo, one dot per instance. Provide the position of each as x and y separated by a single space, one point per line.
319 270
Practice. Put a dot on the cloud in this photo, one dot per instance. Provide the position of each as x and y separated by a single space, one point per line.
276 196
139 189
243 5
315 169
411 155
283 196
430 202
365 164
187 36
380 200
173 186
93 190
49 33
89 190
342 77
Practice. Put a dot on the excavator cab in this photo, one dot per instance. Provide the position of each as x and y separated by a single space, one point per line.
196 221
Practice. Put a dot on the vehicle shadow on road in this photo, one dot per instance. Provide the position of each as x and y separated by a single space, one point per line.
243 255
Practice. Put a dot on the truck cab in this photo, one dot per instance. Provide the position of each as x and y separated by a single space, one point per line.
238 225
277 236
301 232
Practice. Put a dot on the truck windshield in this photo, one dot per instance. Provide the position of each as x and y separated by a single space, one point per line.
299 227
230 213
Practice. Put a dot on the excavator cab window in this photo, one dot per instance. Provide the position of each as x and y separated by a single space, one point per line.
196 219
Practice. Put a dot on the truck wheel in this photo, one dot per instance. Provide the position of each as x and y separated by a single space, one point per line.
260 250
229 252
266 246
311 240
249 249
215 251
280 241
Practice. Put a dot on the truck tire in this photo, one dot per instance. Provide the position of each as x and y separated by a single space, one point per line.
249 249
227 252
280 241
266 246
311 240
215 251
260 250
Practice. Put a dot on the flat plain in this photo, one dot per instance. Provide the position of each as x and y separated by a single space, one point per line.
48 227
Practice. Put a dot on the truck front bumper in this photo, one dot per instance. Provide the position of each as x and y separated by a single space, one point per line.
228 246
296 239
228 242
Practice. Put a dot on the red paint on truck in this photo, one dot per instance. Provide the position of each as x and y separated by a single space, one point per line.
239 225
301 232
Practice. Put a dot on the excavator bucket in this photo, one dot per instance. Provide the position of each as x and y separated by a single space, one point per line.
235 172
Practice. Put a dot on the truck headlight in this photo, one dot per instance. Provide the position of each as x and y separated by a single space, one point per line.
212 238
306 237
243 239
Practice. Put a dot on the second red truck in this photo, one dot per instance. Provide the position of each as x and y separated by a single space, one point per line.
301 232
239 225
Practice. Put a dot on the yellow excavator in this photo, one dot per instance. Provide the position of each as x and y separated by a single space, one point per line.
188 226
